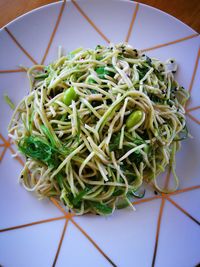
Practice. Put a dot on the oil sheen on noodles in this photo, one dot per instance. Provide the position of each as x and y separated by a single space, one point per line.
97 124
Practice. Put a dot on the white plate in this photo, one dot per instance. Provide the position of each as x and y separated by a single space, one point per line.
162 232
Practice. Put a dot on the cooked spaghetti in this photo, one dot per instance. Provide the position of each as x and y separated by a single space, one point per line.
97 124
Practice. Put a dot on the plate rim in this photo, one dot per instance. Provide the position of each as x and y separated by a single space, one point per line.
79 1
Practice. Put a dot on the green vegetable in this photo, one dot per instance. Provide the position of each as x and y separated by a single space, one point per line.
64 117
137 194
41 76
137 155
80 195
159 75
98 47
114 142
134 118
59 178
48 134
128 172
142 71
91 81
38 149
101 208
9 102
69 95
118 192
102 72
66 198
156 99
122 203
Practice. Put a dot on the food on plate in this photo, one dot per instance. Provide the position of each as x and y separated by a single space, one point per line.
97 124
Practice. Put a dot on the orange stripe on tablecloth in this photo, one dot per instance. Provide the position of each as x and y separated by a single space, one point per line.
170 43
60 243
194 71
11 71
3 139
93 242
20 46
6 142
57 205
67 214
132 22
145 200
90 22
31 224
193 118
158 232
184 190
54 31
192 109
3 153
182 210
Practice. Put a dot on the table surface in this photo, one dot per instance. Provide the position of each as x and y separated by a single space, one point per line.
186 10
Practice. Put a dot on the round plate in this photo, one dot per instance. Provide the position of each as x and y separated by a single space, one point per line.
164 230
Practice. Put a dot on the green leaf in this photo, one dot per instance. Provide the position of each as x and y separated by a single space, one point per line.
136 156
91 81
156 99
114 142
118 192
66 198
128 172
38 149
102 72
142 71
101 208
80 195
59 178
48 134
